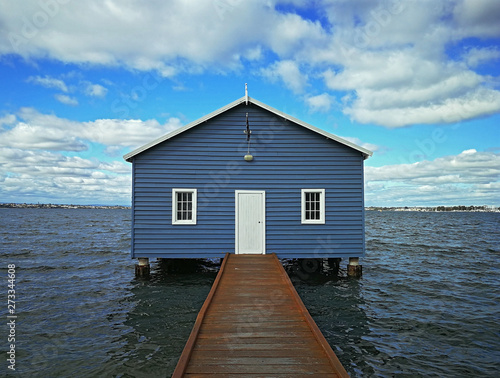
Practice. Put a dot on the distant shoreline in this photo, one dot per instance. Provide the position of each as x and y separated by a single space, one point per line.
485 209
469 209
58 206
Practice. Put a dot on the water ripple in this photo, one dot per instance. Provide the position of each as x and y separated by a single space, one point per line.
427 304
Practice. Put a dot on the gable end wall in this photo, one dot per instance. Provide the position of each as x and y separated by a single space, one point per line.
287 158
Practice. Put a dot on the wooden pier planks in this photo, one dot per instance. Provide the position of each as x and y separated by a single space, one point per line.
253 323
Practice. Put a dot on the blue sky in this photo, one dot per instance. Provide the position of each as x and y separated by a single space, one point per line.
417 82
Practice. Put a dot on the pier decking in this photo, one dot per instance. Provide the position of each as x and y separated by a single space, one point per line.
253 323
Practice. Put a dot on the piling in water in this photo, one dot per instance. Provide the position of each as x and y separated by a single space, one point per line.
143 269
353 268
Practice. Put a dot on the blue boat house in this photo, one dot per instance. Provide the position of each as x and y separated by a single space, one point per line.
248 179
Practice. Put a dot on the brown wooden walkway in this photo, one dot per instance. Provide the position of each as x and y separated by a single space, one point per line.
254 324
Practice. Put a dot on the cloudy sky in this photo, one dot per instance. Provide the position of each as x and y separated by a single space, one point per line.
84 82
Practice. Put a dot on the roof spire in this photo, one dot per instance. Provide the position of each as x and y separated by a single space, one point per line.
246 93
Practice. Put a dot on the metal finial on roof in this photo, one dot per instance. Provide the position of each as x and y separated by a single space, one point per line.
246 93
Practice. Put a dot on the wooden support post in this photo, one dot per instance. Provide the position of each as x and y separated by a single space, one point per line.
354 269
334 264
142 269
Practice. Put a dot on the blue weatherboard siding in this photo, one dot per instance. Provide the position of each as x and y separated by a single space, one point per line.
209 158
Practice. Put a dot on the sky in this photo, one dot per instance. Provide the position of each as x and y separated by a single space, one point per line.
85 82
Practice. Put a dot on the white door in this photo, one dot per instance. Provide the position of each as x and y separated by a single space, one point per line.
250 221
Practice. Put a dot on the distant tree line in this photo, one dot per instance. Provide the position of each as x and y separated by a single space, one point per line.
58 206
437 208
462 208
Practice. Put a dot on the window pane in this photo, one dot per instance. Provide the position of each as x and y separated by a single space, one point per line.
312 205
184 205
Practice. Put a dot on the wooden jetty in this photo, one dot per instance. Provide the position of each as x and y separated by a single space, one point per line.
254 324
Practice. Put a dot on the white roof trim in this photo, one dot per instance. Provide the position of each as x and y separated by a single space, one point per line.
326 134
130 155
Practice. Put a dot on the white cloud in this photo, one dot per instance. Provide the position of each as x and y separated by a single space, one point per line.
25 161
36 131
403 89
469 166
40 134
390 61
369 146
53 177
133 34
67 100
254 53
90 89
288 72
476 103
468 178
289 34
477 56
48 82
200 34
8 119
95 90
116 167
93 189
33 168
478 18
390 58
320 103
126 133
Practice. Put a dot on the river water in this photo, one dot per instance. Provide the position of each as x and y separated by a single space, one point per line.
427 304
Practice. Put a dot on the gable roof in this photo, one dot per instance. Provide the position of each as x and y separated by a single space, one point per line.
245 99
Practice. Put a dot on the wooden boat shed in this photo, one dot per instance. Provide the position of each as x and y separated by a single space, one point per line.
248 179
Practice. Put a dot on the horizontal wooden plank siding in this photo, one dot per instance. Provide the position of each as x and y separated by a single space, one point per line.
209 158
253 323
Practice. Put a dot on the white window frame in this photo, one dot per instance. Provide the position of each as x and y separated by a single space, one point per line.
194 200
321 205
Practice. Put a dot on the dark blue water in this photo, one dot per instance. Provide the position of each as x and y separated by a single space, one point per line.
427 305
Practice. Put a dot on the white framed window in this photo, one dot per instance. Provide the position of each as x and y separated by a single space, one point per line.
184 203
313 206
